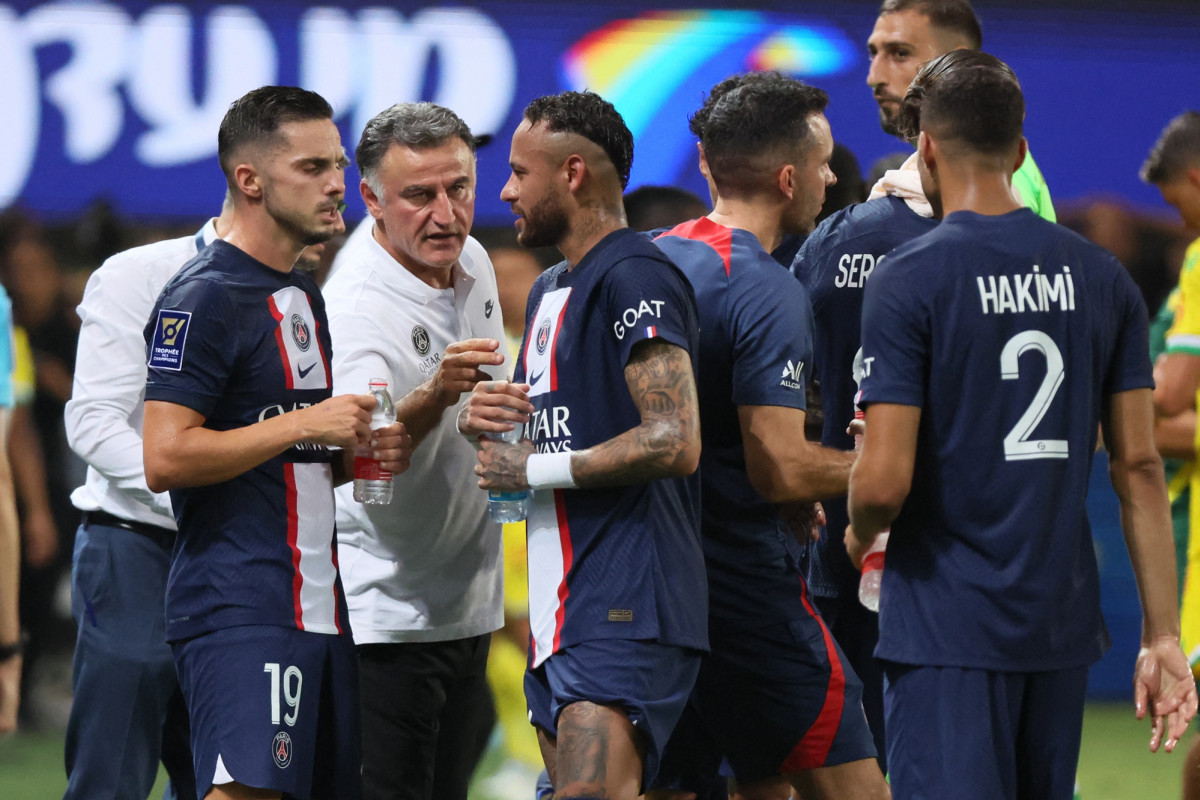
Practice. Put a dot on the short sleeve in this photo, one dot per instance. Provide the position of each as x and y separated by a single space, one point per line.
772 339
645 298
1131 367
191 345
895 338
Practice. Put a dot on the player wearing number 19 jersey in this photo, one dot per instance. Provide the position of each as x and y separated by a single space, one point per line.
993 348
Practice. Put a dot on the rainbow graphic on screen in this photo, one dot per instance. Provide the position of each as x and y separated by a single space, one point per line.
657 67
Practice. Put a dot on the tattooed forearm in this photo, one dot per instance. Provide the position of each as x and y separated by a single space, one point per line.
667 442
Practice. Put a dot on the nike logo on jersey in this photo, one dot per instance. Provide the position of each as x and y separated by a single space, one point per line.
535 378
305 370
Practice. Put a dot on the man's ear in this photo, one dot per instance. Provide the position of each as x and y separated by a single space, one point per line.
248 181
374 204
574 169
1193 176
927 151
1022 153
785 180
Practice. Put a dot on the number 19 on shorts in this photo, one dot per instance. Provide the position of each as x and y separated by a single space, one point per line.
285 687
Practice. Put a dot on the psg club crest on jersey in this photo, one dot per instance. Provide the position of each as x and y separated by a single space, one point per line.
420 340
281 749
543 336
300 332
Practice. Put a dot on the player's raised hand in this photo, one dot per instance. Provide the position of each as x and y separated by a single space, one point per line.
460 368
494 407
1163 686
502 465
341 421
393 447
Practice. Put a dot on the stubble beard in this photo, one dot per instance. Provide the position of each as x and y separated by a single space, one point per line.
545 224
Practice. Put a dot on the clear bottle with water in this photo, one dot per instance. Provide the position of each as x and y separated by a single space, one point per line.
872 573
372 483
872 567
509 506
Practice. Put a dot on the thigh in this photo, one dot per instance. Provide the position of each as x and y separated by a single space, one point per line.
782 700
951 732
254 697
643 682
1049 736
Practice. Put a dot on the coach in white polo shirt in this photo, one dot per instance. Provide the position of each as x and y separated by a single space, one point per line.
415 301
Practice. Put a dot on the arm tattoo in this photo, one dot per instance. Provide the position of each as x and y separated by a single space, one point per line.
661 383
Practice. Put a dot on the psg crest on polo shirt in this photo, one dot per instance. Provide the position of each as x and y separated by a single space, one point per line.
420 340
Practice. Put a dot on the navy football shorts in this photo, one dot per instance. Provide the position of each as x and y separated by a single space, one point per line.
649 681
981 734
273 708
773 701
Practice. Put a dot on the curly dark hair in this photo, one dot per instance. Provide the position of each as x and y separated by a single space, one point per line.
591 116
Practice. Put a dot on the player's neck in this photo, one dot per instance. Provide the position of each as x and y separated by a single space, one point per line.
986 193
587 229
760 219
264 240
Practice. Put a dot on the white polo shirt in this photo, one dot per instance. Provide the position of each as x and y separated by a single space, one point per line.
104 415
427 567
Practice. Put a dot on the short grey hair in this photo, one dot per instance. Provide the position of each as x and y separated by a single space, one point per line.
419 126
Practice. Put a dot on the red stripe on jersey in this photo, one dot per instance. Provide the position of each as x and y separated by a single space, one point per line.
568 556
287 372
337 586
324 360
553 349
715 235
293 532
812 750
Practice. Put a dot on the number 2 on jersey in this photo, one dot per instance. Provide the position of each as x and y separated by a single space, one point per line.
290 697
1017 444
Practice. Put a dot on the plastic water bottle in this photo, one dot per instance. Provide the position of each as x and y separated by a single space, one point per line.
509 506
872 573
372 483
872 568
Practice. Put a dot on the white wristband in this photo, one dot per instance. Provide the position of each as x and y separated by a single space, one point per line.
549 471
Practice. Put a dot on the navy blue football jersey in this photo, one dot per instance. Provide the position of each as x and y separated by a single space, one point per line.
834 263
621 562
240 342
1008 332
755 350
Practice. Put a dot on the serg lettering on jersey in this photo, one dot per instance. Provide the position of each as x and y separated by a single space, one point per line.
854 269
303 361
540 370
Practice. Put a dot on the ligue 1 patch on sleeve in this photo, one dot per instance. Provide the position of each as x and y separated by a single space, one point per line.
170 335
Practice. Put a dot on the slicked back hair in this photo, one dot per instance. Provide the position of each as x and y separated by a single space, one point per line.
418 126
1177 149
969 96
589 115
258 115
752 124
955 16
